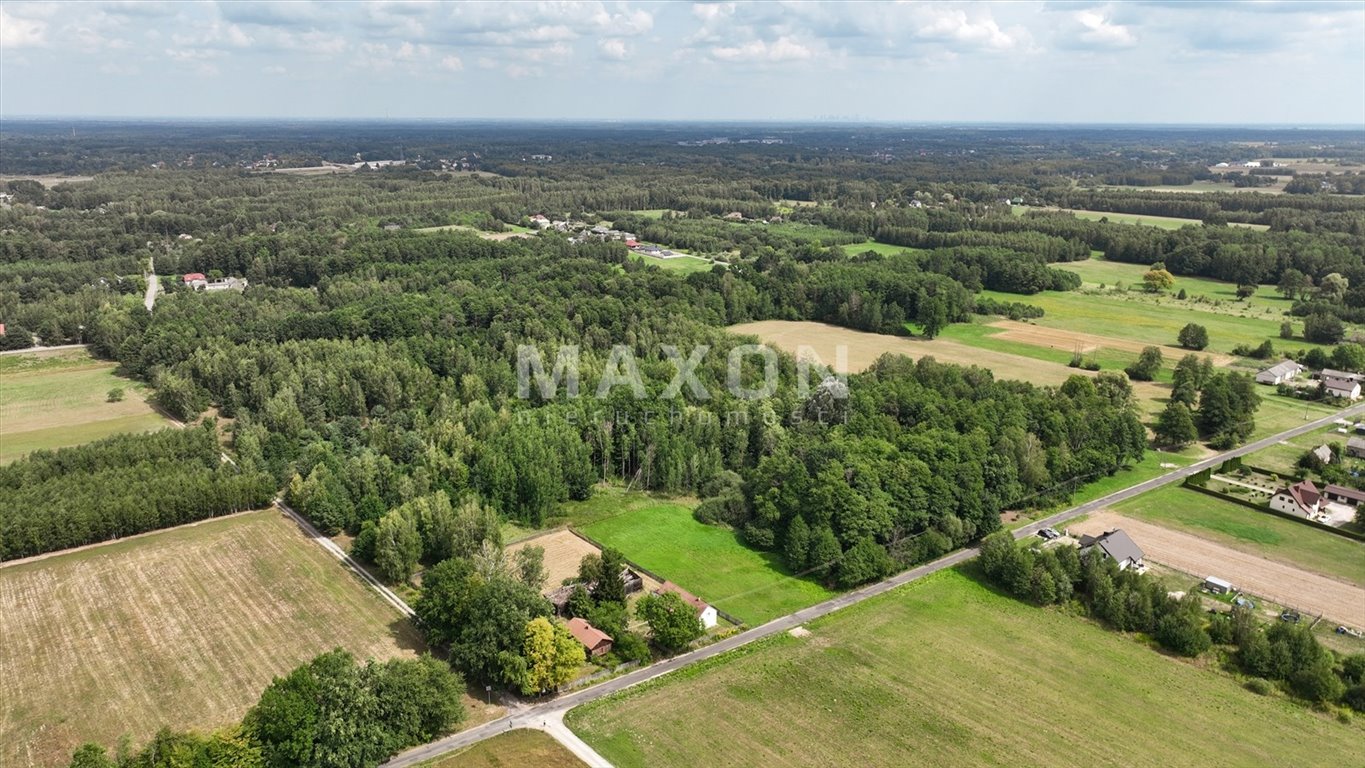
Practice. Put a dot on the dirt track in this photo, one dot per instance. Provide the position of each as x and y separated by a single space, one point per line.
1275 581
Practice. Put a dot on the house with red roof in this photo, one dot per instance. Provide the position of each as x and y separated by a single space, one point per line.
706 613
1301 498
595 640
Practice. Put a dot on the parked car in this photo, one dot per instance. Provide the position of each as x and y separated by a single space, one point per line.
1290 616
1343 630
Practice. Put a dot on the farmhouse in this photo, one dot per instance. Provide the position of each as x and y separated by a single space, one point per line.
1117 545
1343 495
1301 498
1279 373
595 640
1341 384
195 280
706 613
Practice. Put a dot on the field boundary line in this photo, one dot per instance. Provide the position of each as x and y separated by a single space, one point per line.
388 595
108 542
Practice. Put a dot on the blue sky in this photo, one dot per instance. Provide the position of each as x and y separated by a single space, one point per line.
1149 62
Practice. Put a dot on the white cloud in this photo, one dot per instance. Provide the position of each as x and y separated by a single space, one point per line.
451 63
274 70
18 32
954 25
613 49
782 49
1098 31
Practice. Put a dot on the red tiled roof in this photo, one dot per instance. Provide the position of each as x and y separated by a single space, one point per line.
587 634
194 276
696 602
1305 494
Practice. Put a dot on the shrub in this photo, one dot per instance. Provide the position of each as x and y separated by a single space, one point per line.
1193 336
1260 686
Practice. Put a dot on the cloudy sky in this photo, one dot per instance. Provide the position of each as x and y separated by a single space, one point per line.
1150 62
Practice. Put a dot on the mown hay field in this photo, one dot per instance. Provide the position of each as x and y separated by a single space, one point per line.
181 628
947 672
57 399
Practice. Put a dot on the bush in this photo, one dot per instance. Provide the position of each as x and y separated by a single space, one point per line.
1260 686
116 395
1193 336
1323 328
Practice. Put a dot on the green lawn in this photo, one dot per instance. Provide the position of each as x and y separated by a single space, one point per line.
1124 316
978 333
708 561
885 249
946 672
53 400
1284 457
685 265
1202 293
1245 529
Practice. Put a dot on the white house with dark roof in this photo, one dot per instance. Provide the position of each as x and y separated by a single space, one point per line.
1341 384
1117 545
1301 498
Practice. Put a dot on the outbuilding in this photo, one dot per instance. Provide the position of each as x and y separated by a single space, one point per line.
706 613
1216 585
595 640
1279 373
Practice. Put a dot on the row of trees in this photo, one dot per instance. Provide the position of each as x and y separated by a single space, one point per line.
119 487
1134 602
332 711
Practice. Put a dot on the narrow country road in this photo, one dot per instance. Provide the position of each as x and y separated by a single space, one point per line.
535 716
331 546
153 286
32 350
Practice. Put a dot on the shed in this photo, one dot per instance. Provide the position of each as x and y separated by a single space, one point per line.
1344 495
1216 585
1356 447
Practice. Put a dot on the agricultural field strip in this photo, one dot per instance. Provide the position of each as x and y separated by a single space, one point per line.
528 717
1275 581
331 547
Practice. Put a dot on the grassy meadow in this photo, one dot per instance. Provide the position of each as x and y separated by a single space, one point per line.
946 671
706 560
684 265
182 628
58 399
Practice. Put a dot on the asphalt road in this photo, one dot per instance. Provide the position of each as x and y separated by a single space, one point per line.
534 716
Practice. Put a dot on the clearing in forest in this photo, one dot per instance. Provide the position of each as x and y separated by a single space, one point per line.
59 399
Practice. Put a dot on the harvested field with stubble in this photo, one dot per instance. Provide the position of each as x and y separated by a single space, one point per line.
181 628
1278 582
864 348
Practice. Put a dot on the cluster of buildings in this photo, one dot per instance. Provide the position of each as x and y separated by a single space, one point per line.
599 643
1342 384
196 281
1304 499
581 230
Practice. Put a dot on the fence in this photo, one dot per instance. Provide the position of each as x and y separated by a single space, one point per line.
1276 512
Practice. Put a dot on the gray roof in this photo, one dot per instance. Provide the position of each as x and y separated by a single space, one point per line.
1283 368
1355 442
1117 545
